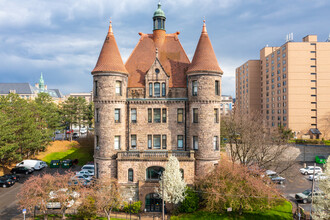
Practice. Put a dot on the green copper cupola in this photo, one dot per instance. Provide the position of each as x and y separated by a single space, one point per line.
41 83
159 18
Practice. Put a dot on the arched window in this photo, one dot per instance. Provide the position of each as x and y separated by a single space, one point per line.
154 173
182 173
157 89
150 89
130 175
163 89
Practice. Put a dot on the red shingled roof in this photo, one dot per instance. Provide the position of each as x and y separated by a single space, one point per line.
170 53
110 59
204 57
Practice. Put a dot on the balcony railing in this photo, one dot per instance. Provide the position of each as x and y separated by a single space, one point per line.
154 155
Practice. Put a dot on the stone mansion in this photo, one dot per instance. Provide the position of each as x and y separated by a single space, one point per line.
156 105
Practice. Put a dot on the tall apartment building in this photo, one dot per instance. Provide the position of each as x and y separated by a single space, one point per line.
248 87
226 105
294 86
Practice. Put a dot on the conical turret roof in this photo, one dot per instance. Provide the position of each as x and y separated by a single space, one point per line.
204 57
109 58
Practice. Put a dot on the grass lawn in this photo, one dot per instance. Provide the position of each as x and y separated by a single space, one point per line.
279 212
83 151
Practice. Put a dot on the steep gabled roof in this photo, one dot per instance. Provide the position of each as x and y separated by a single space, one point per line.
110 59
171 56
204 57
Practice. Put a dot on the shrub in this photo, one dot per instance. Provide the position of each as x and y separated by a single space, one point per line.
135 207
87 210
190 202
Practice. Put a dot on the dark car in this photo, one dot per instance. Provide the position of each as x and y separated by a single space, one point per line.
55 164
11 176
75 135
25 170
6 182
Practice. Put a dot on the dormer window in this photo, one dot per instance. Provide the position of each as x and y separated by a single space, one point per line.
194 88
163 89
157 70
157 89
150 89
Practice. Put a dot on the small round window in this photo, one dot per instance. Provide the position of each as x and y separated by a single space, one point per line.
157 70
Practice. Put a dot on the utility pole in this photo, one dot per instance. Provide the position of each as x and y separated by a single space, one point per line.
312 191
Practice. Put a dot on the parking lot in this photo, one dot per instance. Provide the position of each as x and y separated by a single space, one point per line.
8 201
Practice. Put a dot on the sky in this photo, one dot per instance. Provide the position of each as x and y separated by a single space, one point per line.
63 38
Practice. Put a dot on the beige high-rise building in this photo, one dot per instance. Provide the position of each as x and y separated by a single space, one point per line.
294 88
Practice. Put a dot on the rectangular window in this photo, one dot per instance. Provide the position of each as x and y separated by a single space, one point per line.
97 115
97 142
117 142
180 115
216 115
180 141
164 115
217 88
156 115
117 115
195 142
157 89
216 143
118 88
194 88
149 115
164 141
150 89
149 141
133 115
195 115
96 88
133 141
163 89
156 141
97 170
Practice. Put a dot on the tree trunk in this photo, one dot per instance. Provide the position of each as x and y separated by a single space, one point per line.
63 214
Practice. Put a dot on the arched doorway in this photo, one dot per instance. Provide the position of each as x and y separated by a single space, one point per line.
153 203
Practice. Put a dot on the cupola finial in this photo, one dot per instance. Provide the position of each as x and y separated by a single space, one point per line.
204 26
110 27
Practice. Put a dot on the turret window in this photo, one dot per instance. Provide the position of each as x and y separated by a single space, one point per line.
96 88
118 88
97 115
180 142
216 143
117 142
195 142
217 88
157 89
195 115
216 115
194 88
117 115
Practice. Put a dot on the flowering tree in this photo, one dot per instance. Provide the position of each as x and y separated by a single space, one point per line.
233 185
35 193
172 185
322 203
107 196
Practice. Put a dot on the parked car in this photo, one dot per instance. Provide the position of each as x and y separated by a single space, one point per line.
75 135
88 167
6 182
11 176
321 159
318 176
35 164
25 170
86 172
82 177
275 177
55 164
306 196
310 170
83 130
66 163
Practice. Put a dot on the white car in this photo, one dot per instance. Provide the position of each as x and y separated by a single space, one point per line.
88 167
83 130
82 177
318 176
35 164
86 172
310 170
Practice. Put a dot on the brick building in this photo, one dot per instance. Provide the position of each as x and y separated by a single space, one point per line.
155 105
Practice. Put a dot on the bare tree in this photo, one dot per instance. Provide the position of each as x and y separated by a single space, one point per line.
251 142
107 196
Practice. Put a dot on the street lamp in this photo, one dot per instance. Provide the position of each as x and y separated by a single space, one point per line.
130 206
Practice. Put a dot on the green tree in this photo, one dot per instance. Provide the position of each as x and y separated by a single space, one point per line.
190 202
